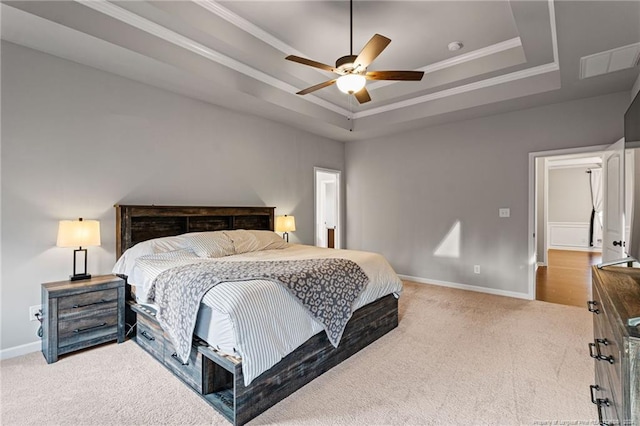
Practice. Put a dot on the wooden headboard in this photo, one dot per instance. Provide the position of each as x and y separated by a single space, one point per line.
140 223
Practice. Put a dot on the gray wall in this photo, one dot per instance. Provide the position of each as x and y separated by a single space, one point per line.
569 195
76 140
406 191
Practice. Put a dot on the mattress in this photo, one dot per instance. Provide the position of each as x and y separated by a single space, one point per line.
259 320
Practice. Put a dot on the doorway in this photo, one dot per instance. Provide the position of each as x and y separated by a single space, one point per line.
328 213
560 252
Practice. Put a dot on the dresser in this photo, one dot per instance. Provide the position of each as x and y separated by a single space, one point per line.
616 345
81 314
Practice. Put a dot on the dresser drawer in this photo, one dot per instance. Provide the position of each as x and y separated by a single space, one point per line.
196 372
149 336
608 344
602 395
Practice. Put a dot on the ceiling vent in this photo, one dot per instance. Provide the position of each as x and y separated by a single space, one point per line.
610 61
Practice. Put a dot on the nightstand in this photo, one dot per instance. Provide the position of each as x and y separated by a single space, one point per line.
81 314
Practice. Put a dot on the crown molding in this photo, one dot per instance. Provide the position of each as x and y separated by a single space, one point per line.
501 79
168 35
234 19
179 40
461 59
248 27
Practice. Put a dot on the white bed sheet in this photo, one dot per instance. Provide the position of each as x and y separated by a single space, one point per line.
258 320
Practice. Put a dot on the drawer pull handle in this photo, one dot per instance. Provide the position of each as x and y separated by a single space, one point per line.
147 336
76 306
591 305
593 397
600 402
80 330
175 356
597 354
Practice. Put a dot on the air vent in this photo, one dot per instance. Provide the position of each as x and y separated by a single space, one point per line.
610 61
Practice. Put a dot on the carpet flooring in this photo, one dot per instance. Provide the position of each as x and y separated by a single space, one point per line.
457 358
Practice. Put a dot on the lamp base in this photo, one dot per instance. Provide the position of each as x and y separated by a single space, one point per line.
79 277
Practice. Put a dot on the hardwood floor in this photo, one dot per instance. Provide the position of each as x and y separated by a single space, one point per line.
567 277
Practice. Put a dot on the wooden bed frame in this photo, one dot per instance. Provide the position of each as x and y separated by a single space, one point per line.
218 378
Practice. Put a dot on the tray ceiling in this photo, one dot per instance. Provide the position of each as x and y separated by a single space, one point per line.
516 54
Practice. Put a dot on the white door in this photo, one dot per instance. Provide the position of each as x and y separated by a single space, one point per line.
327 207
613 228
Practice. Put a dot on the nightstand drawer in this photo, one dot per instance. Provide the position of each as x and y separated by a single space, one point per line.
88 329
149 336
88 301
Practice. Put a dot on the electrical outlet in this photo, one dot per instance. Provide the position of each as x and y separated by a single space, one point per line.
504 212
33 310
476 269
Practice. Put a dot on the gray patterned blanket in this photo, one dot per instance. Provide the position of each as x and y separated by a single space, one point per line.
327 288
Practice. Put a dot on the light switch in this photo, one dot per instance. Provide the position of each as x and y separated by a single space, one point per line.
504 212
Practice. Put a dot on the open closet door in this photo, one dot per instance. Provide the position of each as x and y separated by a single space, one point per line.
613 227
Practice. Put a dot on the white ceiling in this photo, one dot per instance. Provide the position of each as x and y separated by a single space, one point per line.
517 54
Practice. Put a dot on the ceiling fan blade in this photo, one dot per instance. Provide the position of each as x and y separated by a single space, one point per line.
316 87
395 75
310 63
371 50
363 95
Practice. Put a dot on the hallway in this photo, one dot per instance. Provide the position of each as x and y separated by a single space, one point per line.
567 277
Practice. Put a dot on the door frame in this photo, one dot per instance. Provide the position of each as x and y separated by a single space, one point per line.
317 203
532 222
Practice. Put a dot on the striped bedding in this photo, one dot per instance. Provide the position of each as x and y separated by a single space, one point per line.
258 320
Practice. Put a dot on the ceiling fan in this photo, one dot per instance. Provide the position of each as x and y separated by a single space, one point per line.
353 69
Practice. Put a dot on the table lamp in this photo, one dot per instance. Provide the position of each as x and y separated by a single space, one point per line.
285 224
79 233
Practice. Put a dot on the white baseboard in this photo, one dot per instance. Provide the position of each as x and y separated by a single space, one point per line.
20 350
468 287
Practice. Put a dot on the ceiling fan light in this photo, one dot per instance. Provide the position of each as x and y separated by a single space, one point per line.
351 83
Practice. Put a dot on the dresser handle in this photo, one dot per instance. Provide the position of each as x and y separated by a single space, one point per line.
598 355
89 304
591 305
175 356
147 336
599 403
593 397
80 330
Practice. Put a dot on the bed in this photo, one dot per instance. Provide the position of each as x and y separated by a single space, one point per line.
213 367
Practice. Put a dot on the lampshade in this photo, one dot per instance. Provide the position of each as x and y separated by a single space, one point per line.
351 83
78 233
285 223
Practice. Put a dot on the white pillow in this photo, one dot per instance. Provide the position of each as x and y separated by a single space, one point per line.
245 241
210 244
127 261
